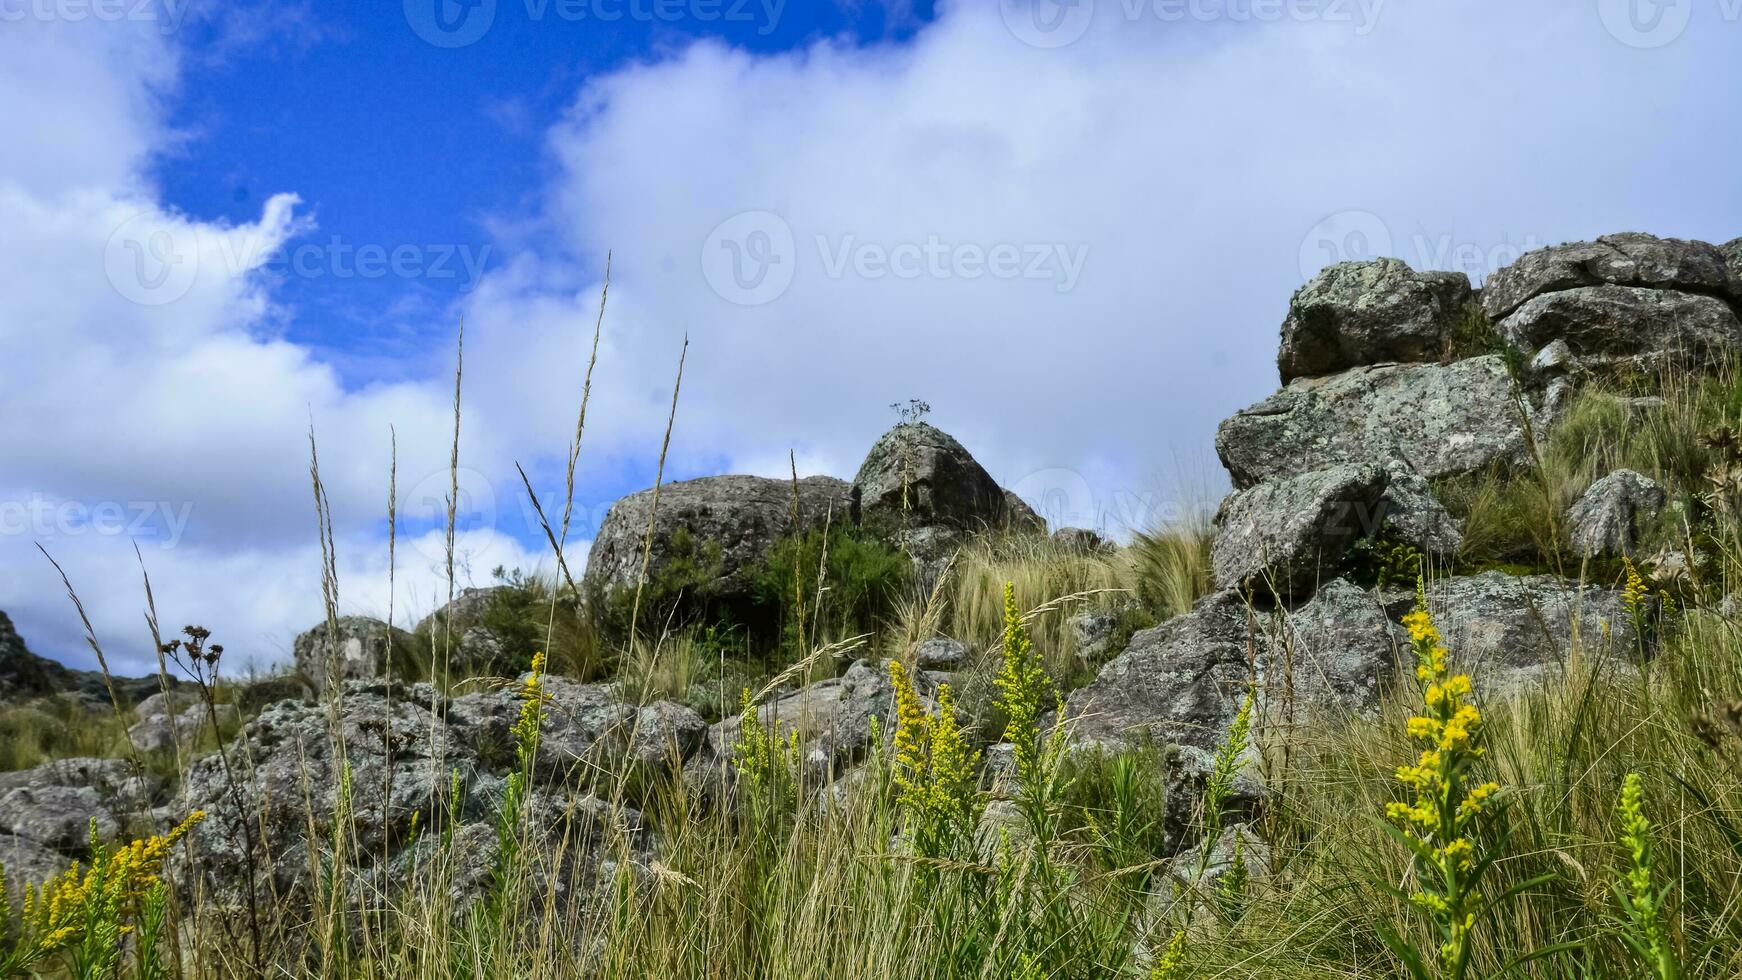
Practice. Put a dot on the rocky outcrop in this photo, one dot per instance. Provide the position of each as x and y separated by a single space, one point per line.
917 475
1083 541
25 675
1607 519
831 719
1627 259
1443 419
1512 632
56 804
940 653
1606 327
710 535
177 719
1358 313
1182 682
27 863
403 761
1413 514
1285 536
351 648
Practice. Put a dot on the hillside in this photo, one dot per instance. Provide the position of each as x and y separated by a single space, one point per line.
1474 577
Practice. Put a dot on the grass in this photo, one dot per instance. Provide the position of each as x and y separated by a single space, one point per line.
1060 865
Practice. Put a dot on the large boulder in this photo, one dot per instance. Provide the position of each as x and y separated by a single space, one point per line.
831 718
1628 259
403 759
56 804
918 475
710 535
1513 632
1607 519
27 863
1443 419
1286 536
1732 250
178 718
351 648
1182 682
1356 313
1414 515
1609 326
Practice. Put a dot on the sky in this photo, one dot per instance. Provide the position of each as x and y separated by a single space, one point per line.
1071 226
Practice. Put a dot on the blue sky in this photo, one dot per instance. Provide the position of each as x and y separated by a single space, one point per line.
1071 227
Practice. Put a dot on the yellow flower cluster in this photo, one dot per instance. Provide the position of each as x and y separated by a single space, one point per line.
61 909
531 704
1023 686
1439 821
934 767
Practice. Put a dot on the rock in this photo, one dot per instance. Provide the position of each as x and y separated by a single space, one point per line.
357 648
1625 326
1094 634
1628 259
1732 251
1196 878
940 653
917 475
1357 313
294 777
25 675
1442 419
1512 632
587 728
158 731
831 717
27 862
1020 517
1182 682
712 532
61 817
463 612
1414 514
1082 540
1288 535
1607 519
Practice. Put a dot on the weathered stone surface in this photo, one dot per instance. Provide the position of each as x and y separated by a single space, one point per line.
357 648
1415 515
1607 519
1512 632
1082 539
720 525
832 718
27 862
1287 535
1732 250
1195 877
465 611
1020 517
1442 419
1182 682
940 653
1356 313
587 728
54 803
1628 259
919 475
1607 326
158 729
1094 634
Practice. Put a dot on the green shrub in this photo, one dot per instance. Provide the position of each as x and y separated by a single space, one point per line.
861 576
